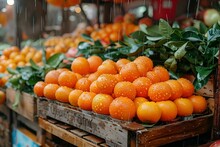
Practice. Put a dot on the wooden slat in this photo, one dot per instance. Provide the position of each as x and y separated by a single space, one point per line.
94 139
64 134
101 126
27 104
79 132
173 132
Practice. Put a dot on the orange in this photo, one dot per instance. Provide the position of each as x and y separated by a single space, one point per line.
188 88
142 85
2 68
119 77
12 65
121 62
108 61
130 72
2 97
13 55
159 92
184 106
52 77
144 64
149 112
101 103
78 76
60 70
168 110
115 36
199 103
80 65
83 84
162 73
85 100
94 88
153 77
176 88
94 76
139 100
125 89
50 90
106 83
21 63
94 63
62 94
122 108
39 88
67 78
74 96
107 67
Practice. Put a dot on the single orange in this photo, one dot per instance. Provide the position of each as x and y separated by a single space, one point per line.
101 103
80 65
177 89
121 62
106 83
184 106
142 85
199 103
168 110
125 89
94 63
94 76
159 92
39 88
130 72
122 108
144 64
162 73
85 100
149 112
74 96
94 88
83 84
139 100
153 77
67 78
50 90
62 94
107 68
52 77
188 88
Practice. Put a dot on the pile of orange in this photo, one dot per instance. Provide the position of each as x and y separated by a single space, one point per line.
123 89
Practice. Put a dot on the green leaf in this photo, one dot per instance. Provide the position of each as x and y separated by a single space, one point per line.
173 75
154 38
153 31
192 36
198 84
139 35
12 71
17 100
87 37
202 28
55 60
213 35
165 29
143 28
174 45
34 65
176 25
181 51
203 72
171 64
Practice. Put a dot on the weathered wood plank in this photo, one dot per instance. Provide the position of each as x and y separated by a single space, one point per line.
103 127
94 139
64 134
173 132
79 132
27 105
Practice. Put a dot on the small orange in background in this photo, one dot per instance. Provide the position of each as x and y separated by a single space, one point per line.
50 90
107 69
122 108
188 87
159 92
184 106
80 65
149 112
2 97
106 83
83 84
94 88
130 72
144 64
62 94
101 103
162 73
74 96
139 100
121 62
199 103
142 85
85 100
67 78
125 89
168 109
153 77
94 63
52 77
177 89
39 88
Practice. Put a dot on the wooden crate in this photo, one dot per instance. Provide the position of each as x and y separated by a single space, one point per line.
119 133
26 106
70 134
5 129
